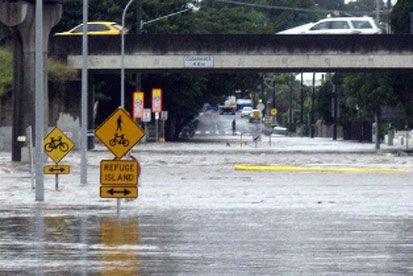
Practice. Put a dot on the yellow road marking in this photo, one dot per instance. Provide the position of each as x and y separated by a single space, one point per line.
317 169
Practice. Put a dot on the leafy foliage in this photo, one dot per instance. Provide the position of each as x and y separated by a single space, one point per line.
6 72
58 72
365 93
400 16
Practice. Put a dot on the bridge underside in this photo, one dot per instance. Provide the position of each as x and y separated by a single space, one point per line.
228 53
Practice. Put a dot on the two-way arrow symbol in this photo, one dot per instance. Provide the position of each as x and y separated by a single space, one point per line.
125 192
56 170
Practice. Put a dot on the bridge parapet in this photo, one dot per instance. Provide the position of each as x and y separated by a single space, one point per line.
233 43
242 51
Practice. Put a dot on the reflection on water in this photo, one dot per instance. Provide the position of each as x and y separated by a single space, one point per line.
39 240
119 241
203 242
44 241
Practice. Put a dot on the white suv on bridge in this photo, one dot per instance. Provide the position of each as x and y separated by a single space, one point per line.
338 25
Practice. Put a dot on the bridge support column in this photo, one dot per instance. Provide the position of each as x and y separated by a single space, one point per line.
20 18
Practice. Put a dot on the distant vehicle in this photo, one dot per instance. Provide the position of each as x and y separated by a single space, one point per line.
246 111
279 130
241 103
255 116
188 131
96 28
210 107
229 107
338 25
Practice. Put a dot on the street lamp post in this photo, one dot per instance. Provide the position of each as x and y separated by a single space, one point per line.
122 66
189 7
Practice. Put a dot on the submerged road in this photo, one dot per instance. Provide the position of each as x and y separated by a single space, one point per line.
196 215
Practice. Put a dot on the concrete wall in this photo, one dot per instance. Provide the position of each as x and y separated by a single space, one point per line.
166 52
5 138
63 113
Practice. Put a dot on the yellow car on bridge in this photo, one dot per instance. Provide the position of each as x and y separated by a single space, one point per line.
96 28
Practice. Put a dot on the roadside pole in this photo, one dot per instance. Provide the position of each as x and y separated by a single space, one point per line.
157 127
411 22
335 111
311 124
29 139
83 130
39 101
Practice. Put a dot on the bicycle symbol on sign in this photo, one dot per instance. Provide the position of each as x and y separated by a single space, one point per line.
56 144
119 140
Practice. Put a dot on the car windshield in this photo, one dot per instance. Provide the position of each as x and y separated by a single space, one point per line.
117 27
320 26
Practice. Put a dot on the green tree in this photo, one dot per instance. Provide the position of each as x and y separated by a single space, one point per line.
400 16
58 72
6 72
366 92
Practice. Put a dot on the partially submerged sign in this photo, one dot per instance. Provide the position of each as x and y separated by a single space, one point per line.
118 192
119 172
56 169
57 145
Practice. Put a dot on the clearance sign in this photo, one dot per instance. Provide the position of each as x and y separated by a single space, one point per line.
156 100
138 105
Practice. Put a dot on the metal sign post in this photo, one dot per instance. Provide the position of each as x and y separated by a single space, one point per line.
83 130
147 117
157 126
164 117
29 139
39 101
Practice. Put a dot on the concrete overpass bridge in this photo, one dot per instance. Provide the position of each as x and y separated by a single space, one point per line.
240 52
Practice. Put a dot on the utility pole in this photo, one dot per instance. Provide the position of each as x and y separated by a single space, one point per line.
378 8
335 111
411 22
302 99
377 129
84 97
262 88
312 109
39 100
290 104
273 94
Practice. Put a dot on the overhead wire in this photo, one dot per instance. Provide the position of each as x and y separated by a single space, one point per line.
275 7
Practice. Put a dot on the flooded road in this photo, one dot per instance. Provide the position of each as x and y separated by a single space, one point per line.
203 241
196 215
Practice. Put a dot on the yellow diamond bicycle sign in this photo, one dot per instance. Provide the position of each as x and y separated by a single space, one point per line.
119 133
57 145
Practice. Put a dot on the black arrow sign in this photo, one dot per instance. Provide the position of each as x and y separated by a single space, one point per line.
124 192
57 170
